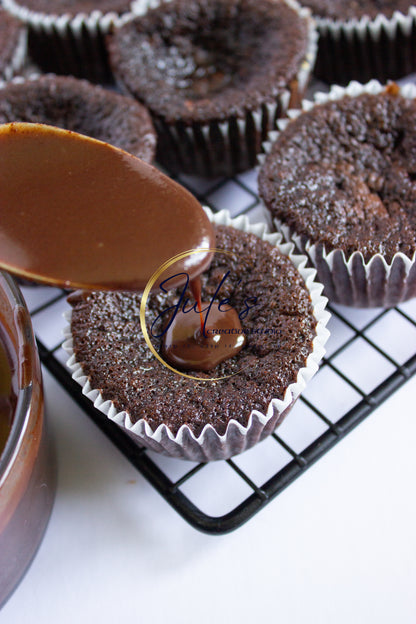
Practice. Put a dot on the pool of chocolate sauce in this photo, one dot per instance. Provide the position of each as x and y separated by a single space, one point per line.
202 336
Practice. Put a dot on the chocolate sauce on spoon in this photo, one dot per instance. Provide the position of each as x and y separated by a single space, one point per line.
79 213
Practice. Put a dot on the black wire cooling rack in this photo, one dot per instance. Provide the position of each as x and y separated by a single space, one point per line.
370 354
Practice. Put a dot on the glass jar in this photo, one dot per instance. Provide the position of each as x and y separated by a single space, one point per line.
27 462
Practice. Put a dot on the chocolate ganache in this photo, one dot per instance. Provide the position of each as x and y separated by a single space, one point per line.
200 336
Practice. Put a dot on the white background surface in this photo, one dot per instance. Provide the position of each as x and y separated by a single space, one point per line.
339 545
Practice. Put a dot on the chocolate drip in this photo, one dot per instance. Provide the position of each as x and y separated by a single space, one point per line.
196 290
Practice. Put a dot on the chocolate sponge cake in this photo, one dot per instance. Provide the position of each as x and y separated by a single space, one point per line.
221 412
341 177
77 105
215 75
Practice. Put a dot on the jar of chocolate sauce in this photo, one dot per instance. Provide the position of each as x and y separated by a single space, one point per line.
27 463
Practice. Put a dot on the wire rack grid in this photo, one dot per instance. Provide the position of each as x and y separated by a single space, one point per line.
370 354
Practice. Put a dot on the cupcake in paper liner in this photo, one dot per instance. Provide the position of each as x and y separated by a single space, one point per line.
78 105
339 179
364 40
13 45
67 36
215 75
206 415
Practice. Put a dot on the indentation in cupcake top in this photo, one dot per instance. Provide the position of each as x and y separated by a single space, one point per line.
190 56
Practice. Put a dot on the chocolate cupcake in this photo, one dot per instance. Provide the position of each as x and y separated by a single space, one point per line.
67 36
364 40
77 105
206 415
13 40
215 76
339 179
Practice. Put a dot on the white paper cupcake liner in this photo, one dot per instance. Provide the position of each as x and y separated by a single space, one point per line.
352 281
69 45
209 445
230 146
362 49
355 282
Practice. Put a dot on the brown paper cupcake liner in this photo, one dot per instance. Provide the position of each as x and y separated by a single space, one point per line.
209 445
225 148
352 281
69 45
362 49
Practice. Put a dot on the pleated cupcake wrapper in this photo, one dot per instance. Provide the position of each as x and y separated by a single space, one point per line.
352 281
229 146
220 147
19 58
74 43
366 48
355 282
209 445
20 79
